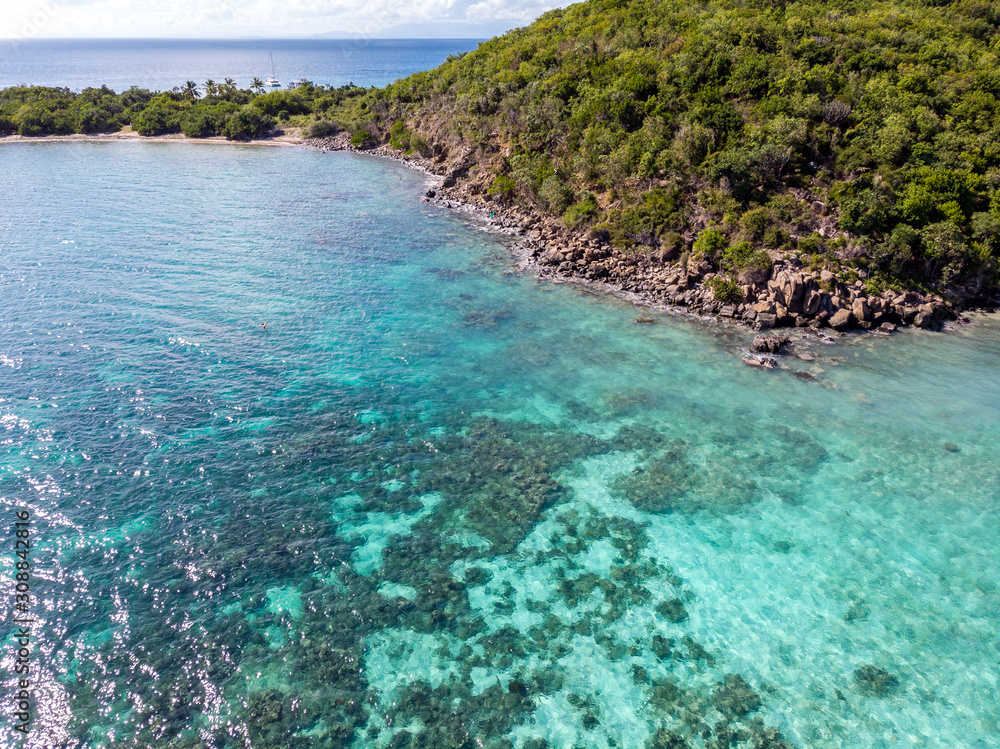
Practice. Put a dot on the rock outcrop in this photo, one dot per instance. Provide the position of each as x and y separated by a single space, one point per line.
789 295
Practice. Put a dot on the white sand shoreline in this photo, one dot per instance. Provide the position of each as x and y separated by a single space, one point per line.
291 138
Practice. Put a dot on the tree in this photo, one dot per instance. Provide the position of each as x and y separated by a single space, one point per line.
246 123
155 119
211 87
190 90
228 87
257 85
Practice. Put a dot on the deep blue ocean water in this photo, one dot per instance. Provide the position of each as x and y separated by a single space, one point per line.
161 64
439 503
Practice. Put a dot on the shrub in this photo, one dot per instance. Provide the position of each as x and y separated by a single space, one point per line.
672 242
503 187
867 212
419 145
775 237
945 249
583 212
643 224
247 123
97 120
199 124
320 129
742 256
755 222
275 103
812 244
399 136
888 114
835 113
725 290
752 266
710 244
691 143
555 194
360 137
155 119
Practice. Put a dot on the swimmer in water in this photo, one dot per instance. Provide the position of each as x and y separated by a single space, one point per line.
264 325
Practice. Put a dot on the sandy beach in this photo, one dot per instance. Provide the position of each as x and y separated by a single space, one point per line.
288 138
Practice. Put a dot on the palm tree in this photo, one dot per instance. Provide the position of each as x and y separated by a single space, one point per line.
211 87
229 87
190 90
257 86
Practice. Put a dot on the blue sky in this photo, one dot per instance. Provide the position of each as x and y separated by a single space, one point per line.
264 18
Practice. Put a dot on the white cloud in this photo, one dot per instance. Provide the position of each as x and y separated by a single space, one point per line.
234 18
27 19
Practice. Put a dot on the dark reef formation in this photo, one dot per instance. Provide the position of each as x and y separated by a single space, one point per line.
493 480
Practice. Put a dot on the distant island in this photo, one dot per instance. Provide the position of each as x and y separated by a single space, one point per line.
781 164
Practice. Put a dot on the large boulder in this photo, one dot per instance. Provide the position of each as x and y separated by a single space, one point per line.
782 314
766 320
551 257
774 291
768 344
861 310
669 254
876 307
789 289
811 303
841 319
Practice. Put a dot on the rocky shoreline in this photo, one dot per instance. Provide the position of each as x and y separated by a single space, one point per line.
788 296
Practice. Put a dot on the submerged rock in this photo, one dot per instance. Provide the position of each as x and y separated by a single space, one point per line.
858 611
662 647
476 576
516 687
735 698
664 739
673 611
873 681
761 362
671 483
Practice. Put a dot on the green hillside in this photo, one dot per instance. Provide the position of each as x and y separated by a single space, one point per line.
860 135
863 137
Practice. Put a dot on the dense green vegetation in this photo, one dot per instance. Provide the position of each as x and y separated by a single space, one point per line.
762 122
237 114
863 136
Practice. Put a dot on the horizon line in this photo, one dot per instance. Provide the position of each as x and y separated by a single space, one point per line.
349 36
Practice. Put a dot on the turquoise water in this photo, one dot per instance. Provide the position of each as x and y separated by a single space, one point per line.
438 503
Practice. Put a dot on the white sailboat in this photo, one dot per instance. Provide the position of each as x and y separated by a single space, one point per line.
272 84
